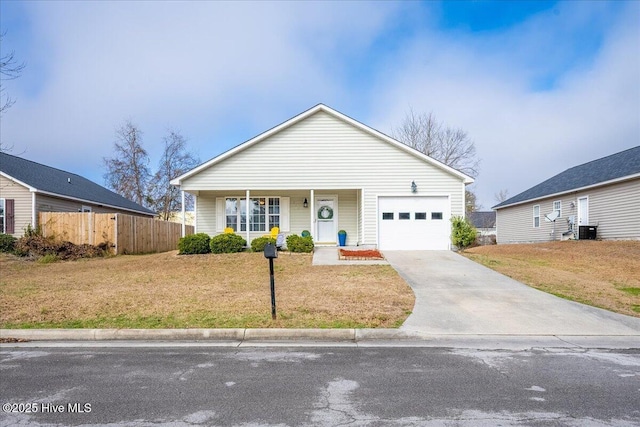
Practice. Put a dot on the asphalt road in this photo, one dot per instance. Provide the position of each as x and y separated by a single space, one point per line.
322 386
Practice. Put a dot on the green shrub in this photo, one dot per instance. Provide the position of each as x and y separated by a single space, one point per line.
258 244
463 233
194 244
7 242
227 243
297 243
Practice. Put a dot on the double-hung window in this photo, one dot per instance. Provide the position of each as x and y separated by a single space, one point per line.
536 216
235 213
274 212
263 213
557 206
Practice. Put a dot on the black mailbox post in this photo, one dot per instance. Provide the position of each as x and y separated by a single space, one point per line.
271 252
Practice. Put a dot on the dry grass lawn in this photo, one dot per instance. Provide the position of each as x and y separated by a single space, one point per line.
198 291
603 274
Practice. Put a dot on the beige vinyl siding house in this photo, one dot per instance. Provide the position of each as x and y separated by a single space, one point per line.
335 165
27 188
606 196
22 201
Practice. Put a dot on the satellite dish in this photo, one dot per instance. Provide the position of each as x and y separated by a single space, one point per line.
551 216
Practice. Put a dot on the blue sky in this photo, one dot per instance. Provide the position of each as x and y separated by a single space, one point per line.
538 86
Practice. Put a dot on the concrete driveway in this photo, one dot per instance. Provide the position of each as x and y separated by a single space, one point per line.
455 295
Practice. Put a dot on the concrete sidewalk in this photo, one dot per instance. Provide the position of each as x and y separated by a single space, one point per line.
328 255
455 295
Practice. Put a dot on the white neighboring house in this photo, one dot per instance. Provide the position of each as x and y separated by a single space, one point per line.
322 171
599 199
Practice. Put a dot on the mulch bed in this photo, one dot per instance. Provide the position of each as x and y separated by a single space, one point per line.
360 255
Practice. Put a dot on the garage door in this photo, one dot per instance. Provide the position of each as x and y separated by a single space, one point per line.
414 223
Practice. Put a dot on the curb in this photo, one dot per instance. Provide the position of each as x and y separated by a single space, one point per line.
357 337
231 334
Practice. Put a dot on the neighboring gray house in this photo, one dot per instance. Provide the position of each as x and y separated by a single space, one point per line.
601 197
323 171
27 188
485 223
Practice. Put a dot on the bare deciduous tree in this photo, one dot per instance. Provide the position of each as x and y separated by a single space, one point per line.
501 195
9 70
448 145
174 162
471 201
128 171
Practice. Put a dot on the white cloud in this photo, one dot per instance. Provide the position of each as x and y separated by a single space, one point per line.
222 72
201 67
523 136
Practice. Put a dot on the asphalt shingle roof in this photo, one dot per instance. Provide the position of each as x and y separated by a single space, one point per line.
483 219
64 184
615 166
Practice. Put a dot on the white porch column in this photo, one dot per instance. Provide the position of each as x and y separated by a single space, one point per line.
312 217
34 211
361 224
184 216
247 217
195 214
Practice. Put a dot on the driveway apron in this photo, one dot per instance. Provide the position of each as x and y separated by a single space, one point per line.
455 295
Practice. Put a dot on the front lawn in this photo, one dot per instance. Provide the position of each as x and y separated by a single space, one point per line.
603 274
199 291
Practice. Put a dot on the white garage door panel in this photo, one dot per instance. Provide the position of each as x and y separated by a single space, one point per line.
414 233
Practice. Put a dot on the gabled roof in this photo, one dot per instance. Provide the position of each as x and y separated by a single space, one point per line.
321 107
43 179
607 170
482 219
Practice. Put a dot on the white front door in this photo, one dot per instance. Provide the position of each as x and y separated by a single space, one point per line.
325 220
583 211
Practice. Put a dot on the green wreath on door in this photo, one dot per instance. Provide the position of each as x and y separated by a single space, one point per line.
325 212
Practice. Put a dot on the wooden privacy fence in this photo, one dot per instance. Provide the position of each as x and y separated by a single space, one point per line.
125 234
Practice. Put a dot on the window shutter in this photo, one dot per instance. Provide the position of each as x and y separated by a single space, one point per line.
9 216
221 208
284 214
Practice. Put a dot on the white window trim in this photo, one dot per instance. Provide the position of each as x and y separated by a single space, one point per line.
536 216
240 223
85 209
4 215
559 208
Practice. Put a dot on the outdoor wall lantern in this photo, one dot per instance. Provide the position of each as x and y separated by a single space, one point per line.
414 187
305 204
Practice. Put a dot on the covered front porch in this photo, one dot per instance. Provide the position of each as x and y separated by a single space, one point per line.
321 212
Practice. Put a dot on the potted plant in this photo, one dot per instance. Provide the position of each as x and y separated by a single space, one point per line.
342 237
